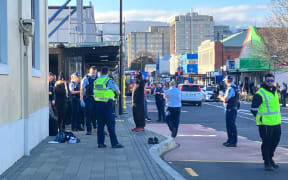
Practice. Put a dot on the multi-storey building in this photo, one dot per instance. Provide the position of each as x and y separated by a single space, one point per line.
166 35
188 31
145 44
221 32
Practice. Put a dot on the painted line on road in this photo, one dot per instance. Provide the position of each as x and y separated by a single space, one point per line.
191 172
196 135
216 161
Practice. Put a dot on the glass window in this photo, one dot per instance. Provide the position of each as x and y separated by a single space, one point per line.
3 32
36 38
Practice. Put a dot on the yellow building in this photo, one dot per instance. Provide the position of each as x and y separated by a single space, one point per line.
24 108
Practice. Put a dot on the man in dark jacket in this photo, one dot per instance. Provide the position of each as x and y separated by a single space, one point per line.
266 108
160 102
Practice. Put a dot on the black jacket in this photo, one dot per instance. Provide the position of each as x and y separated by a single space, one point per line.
257 99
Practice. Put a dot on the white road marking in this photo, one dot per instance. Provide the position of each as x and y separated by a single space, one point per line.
196 135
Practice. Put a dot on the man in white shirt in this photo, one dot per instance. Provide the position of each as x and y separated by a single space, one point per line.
173 96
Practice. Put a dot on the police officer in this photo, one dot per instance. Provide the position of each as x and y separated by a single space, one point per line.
230 99
160 102
52 81
87 99
104 94
266 107
74 88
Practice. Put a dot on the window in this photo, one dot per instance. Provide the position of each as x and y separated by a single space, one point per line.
4 67
35 47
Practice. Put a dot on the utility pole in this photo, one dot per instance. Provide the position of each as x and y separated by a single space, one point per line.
121 63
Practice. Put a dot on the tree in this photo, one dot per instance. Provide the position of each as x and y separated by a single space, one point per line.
275 35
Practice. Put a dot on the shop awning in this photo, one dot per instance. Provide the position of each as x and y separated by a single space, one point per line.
251 65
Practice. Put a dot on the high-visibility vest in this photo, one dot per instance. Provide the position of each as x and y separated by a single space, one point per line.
101 91
269 111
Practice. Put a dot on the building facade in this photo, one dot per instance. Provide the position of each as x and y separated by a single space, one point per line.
69 31
145 44
24 111
188 31
165 30
221 31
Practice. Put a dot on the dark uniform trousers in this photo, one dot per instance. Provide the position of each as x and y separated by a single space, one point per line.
76 115
90 112
231 115
106 116
161 109
270 136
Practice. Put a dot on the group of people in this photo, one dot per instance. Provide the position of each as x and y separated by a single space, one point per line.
93 97
172 97
265 107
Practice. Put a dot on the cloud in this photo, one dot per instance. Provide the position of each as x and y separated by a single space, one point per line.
242 15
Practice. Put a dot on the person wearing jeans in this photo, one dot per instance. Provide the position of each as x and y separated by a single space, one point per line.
173 96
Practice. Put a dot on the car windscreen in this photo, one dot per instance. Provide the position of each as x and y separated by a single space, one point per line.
210 88
194 88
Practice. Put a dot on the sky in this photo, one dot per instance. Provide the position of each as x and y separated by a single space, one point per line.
237 13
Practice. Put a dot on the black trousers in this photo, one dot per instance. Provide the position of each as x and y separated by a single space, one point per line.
173 119
270 136
138 115
160 104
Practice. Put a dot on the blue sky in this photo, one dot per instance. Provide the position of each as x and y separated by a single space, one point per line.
234 12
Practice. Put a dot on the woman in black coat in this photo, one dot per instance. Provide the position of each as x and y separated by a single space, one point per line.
138 103
61 94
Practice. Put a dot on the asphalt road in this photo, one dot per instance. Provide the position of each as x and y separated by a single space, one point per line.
211 115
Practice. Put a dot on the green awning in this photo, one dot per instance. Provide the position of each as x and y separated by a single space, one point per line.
252 65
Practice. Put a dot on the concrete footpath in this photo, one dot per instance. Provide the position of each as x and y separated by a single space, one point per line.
85 161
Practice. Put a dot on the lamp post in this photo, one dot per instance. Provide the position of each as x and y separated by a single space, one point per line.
121 62
275 59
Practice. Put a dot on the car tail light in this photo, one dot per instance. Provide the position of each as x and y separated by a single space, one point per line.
190 85
181 88
199 88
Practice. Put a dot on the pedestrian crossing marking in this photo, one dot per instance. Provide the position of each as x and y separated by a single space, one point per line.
191 172
196 135
119 120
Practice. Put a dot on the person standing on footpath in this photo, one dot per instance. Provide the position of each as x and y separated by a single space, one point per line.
61 95
74 88
87 99
51 88
266 108
173 96
231 100
160 102
146 103
283 94
104 94
138 103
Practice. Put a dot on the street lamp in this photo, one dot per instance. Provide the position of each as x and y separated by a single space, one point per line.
275 59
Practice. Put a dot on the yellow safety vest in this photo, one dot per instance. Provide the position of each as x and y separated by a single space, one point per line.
101 92
269 111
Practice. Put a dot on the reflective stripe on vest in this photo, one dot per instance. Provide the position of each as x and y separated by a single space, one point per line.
267 105
101 91
269 111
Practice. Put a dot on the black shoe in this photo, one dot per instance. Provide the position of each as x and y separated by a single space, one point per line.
274 165
174 133
231 145
225 143
118 146
155 140
268 166
89 133
150 140
102 146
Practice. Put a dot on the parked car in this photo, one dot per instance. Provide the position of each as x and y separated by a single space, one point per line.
191 93
210 93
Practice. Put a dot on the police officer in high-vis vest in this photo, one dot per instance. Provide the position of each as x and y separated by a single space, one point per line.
266 108
104 94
